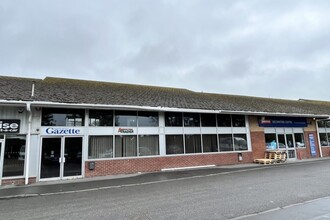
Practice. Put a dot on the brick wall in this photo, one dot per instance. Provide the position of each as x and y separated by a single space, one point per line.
18 181
307 151
134 165
326 151
258 144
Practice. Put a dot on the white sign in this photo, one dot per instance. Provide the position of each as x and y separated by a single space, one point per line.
63 131
125 130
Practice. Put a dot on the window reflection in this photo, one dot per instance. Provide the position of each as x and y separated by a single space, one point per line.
148 119
14 156
210 143
193 143
62 117
240 142
174 144
226 142
173 119
126 118
224 120
100 118
238 120
208 120
191 120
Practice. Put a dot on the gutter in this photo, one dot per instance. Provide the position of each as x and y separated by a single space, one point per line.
160 108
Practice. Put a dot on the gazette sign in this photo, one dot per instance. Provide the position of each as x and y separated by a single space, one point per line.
63 131
9 126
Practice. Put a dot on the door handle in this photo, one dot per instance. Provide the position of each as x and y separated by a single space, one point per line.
60 160
63 159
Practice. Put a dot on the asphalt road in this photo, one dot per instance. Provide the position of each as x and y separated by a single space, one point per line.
212 194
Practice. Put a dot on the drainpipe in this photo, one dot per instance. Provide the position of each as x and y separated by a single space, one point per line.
318 138
28 144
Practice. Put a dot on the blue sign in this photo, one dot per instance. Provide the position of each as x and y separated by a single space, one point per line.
312 144
282 122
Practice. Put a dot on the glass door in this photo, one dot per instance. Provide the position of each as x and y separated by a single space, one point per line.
61 158
72 156
281 142
291 150
286 143
50 158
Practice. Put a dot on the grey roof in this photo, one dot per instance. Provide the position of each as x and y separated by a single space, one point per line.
59 90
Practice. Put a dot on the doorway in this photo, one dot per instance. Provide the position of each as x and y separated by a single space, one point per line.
286 143
61 158
286 140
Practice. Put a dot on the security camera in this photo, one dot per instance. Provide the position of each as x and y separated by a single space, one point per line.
20 110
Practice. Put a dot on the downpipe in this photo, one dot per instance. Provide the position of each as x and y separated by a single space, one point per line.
28 144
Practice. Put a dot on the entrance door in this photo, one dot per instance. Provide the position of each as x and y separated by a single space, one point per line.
72 156
61 158
286 143
291 150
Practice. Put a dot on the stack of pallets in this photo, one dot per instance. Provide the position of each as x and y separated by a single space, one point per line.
272 157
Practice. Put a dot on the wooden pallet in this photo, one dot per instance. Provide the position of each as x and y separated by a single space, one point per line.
272 157
264 161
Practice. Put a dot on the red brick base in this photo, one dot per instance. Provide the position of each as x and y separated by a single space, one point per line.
326 151
18 182
126 166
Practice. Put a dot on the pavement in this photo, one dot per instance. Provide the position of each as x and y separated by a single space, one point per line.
116 181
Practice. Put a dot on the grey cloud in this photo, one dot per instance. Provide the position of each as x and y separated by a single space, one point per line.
259 47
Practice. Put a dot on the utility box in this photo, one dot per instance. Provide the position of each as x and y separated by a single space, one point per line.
240 156
91 165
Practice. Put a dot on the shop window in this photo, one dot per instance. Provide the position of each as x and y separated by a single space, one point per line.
174 144
210 143
14 156
193 144
324 139
62 117
327 124
321 124
208 120
126 118
224 120
100 147
226 142
238 120
281 141
191 120
148 119
299 139
240 142
270 141
148 145
126 146
100 118
173 119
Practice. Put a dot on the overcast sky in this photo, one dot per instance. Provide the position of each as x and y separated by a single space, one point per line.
266 48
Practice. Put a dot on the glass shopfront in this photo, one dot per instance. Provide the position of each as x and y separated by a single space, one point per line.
61 157
287 140
13 155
